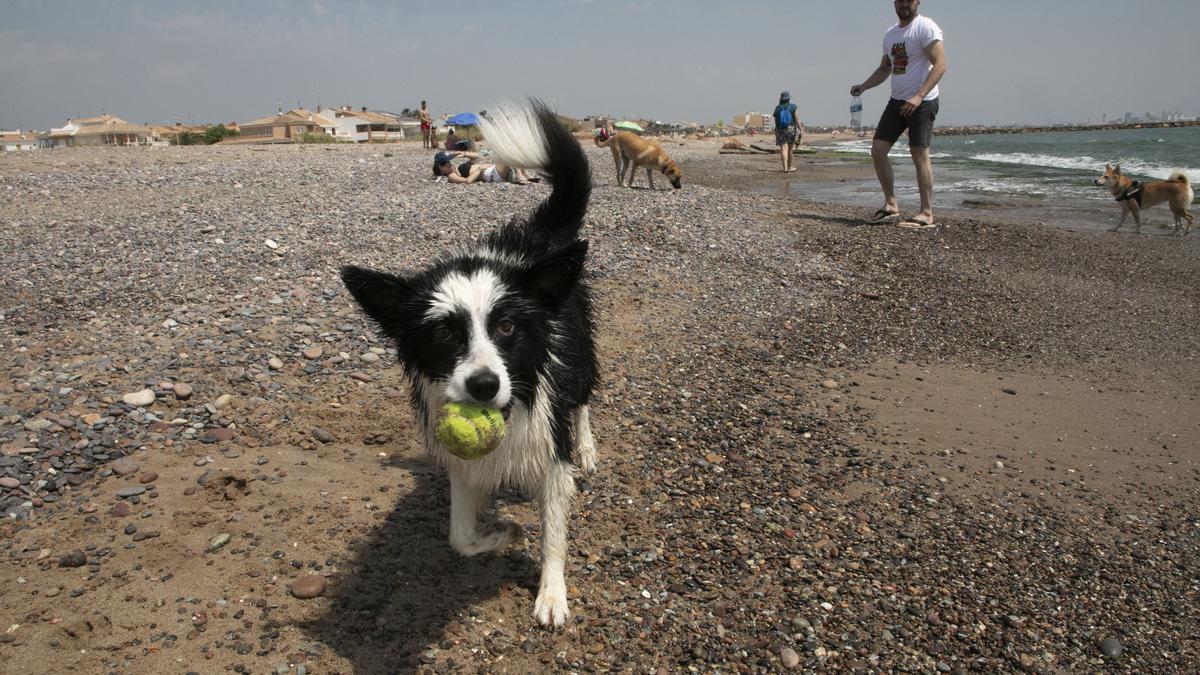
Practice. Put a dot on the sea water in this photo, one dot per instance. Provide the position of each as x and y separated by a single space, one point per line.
1046 176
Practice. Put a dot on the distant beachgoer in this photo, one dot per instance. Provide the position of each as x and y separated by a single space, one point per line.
914 57
476 172
426 127
787 129
456 144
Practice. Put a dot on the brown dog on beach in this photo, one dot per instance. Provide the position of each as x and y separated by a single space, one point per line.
631 151
1136 195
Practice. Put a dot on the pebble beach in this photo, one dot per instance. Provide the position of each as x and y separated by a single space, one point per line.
823 446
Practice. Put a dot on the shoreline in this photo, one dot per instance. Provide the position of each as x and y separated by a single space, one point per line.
820 443
830 174
986 130
969 130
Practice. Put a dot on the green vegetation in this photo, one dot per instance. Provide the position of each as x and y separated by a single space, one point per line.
316 138
217 133
212 134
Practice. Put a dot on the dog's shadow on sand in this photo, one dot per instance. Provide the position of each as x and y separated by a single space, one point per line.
403 585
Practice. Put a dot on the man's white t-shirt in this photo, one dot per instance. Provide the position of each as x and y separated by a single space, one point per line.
905 46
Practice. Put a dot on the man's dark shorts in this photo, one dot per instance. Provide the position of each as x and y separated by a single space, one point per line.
919 124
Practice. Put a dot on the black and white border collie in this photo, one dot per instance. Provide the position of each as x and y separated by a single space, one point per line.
507 322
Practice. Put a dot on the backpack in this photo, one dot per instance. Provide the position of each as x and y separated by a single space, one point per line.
785 116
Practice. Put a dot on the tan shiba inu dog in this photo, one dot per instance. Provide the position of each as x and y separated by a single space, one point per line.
1136 195
631 151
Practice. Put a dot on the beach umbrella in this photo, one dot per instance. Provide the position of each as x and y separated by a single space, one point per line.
626 125
464 120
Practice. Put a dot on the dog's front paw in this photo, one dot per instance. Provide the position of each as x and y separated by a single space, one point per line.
587 456
503 533
551 608
506 532
587 463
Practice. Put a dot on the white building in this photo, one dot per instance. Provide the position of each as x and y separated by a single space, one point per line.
11 141
325 120
58 137
345 124
104 129
363 126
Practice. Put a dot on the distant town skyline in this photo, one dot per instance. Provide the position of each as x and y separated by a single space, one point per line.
1014 62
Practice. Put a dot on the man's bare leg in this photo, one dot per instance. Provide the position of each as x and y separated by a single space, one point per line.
924 167
883 171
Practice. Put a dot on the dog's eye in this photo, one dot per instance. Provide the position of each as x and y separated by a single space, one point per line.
443 333
505 327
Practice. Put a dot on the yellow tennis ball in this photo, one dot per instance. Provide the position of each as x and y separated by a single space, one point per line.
469 431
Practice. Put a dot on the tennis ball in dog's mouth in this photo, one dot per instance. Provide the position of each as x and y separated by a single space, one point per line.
469 431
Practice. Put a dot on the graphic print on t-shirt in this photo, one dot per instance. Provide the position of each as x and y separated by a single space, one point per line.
899 58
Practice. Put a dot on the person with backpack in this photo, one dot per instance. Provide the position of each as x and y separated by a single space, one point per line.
787 129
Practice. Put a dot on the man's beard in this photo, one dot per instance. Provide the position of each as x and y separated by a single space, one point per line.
905 13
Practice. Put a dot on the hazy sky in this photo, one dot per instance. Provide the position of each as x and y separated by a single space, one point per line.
1031 61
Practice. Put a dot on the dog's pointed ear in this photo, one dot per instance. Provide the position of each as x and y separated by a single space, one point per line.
1108 166
382 296
554 277
1117 169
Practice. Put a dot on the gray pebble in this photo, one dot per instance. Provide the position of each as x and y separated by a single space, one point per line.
1111 647
125 466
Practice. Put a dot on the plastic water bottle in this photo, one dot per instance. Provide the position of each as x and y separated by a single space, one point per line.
856 111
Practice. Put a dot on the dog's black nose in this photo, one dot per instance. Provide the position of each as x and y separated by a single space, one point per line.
483 385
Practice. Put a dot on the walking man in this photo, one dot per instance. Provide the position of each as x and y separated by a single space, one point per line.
913 56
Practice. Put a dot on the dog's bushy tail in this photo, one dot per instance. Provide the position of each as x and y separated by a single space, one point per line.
1181 177
531 137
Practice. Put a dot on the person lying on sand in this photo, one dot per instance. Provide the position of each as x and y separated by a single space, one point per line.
472 171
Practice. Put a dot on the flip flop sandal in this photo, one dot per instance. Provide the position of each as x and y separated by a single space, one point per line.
883 216
914 224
